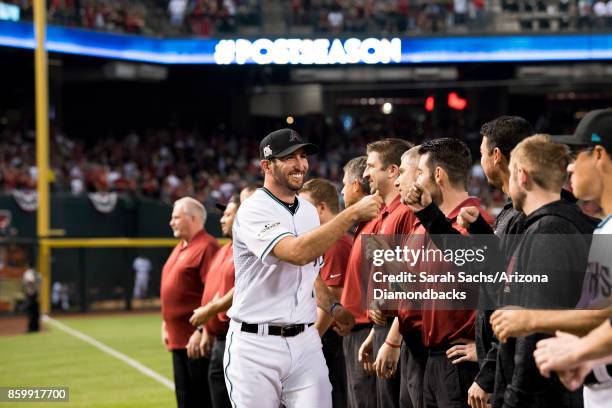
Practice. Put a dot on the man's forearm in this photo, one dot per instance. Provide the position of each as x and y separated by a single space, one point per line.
578 322
325 297
313 244
394 336
596 345
324 321
224 303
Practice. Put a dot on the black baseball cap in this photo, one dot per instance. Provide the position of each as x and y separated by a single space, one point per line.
595 128
282 142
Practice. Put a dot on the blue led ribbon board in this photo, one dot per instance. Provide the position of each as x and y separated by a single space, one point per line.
321 51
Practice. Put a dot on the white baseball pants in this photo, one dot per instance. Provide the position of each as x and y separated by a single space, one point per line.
263 371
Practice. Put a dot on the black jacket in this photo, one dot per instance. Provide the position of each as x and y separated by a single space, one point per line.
508 224
563 258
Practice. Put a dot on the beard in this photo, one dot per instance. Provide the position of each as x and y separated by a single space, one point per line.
495 179
285 181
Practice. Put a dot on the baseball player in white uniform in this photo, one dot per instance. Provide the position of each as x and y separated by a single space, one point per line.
273 352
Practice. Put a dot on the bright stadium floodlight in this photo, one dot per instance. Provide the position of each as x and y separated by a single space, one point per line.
387 108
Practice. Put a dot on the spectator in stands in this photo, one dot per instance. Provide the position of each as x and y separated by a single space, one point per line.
177 9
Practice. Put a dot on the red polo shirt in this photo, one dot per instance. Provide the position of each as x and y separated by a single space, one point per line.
221 265
441 327
335 261
227 283
182 285
396 219
353 281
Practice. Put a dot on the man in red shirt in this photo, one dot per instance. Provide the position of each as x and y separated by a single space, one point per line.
212 343
382 169
218 297
182 287
438 195
324 196
406 328
361 387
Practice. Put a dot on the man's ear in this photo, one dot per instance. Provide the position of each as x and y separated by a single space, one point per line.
265 165
355 186
498 156
523 177
393 171
440 175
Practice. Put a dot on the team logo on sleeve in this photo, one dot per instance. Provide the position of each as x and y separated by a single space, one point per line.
267 228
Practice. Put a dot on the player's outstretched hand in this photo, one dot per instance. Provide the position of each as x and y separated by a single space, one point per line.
556 353
345 321
386 361
367 208
193 345
467 216
201 315
418 198
511 322
462 352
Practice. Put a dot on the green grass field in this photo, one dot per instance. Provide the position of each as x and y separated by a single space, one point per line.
96 379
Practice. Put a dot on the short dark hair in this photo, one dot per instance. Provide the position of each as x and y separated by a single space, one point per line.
505 132
390 150
323 191
452 155
354 170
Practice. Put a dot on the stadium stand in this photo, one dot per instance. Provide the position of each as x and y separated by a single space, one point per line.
206 18
201 18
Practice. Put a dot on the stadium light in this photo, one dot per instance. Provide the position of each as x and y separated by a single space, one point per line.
387 108
456 102
430 103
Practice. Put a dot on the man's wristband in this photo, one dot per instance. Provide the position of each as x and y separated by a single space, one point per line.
392 345
333 307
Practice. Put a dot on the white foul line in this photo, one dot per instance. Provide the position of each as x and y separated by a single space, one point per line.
109 350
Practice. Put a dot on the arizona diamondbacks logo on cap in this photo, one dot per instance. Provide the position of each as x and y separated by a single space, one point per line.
267 151
294 137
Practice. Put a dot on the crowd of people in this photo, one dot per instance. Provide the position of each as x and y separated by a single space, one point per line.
205 18
202 18
167 164
389 16
509 342
416 16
